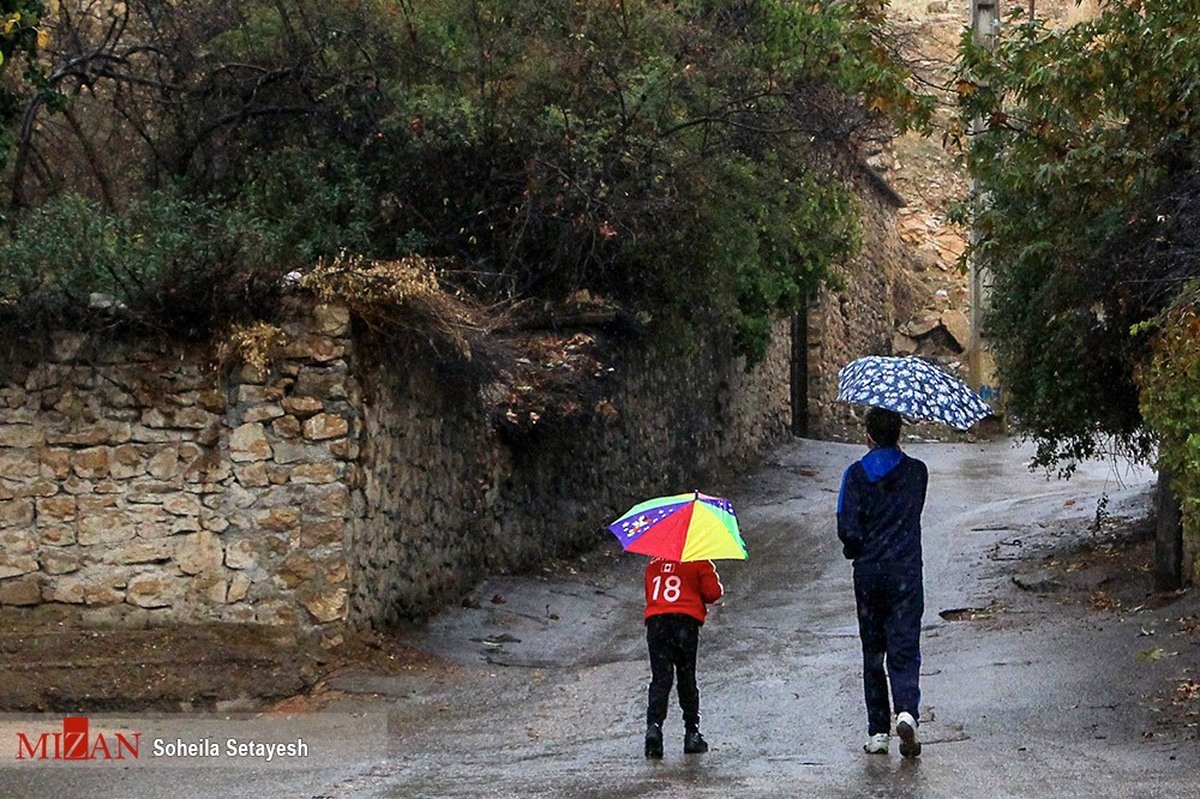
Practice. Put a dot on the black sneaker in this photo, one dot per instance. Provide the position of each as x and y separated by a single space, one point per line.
654 741
694 743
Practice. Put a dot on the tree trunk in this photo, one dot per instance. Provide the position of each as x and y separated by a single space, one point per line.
1168 542
799 372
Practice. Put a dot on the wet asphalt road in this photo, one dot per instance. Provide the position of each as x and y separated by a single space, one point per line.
543 694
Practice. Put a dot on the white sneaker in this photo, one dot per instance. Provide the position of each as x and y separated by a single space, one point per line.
877 744
906 728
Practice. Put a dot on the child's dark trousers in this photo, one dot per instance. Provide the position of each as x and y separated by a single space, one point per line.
673 639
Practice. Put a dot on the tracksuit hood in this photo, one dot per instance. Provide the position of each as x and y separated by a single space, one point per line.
880 461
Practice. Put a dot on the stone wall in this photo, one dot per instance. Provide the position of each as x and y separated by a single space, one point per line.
856 318
352 484
448 499
139 486
343 485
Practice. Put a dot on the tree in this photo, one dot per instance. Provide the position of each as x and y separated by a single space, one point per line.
179 157
681 158
18 28
19 21
1086 126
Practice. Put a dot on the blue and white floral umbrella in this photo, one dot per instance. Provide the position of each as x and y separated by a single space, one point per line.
912 387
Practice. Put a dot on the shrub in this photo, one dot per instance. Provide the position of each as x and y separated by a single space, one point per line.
1170 403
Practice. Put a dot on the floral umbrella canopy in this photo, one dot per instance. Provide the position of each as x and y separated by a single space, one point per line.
912 387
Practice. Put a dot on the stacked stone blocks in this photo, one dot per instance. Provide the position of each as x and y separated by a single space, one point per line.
139 484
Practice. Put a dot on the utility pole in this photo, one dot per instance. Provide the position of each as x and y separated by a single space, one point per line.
985 25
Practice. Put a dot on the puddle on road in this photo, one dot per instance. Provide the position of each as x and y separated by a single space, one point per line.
969 614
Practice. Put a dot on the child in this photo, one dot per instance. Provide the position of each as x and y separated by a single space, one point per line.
677 596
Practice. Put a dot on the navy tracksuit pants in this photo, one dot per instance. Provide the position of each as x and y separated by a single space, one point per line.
890 607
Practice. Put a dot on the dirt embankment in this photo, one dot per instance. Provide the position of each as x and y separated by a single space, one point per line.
215 668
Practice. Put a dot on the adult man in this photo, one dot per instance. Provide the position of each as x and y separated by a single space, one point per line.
879 524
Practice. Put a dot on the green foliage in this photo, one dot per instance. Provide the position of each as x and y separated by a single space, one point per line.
1170 397
19 21
1082 125
684 159
166 261
666 155
760 260
18 28
312 202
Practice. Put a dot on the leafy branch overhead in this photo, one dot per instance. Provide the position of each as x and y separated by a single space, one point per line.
682 159
19 27
1087 128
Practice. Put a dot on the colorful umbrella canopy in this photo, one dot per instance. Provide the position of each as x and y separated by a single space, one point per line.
913 387
682 527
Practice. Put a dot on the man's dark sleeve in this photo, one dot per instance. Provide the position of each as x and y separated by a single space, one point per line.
848 513
922 483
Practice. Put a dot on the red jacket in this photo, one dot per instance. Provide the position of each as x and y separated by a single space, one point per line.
681 587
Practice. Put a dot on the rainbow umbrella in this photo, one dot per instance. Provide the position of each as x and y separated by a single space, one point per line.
682 527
